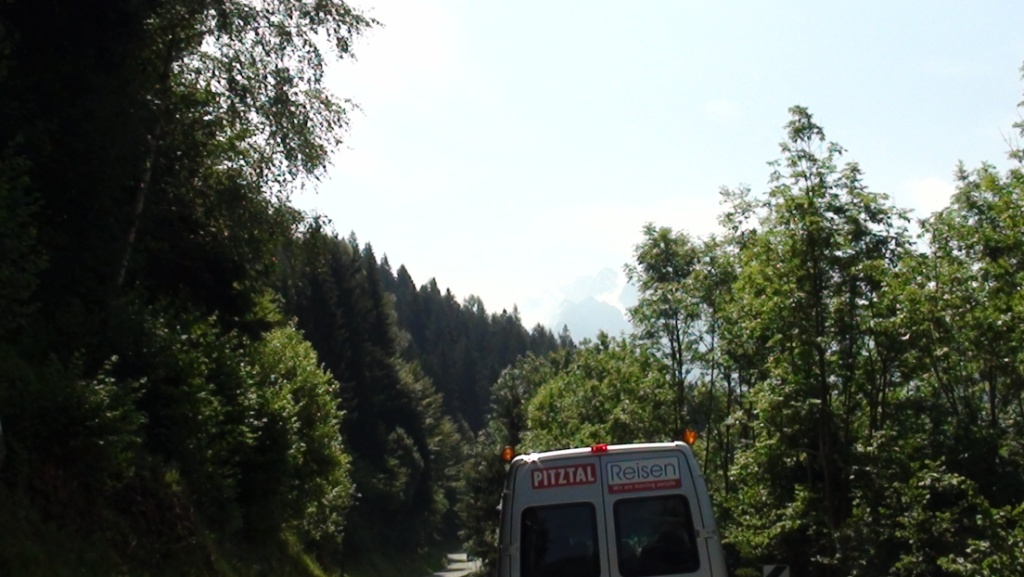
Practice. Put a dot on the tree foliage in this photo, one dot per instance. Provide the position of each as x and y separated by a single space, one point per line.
153 392
612 391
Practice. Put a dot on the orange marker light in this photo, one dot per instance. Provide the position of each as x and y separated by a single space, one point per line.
508 453
689 436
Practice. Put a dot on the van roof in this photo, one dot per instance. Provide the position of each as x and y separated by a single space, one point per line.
631 448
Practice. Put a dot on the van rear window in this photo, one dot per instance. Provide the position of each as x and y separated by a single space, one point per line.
559 541
655 536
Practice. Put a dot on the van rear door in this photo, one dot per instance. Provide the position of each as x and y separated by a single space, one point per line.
560 529
655 515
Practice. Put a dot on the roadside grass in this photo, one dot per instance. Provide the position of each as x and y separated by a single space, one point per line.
415 565
32 546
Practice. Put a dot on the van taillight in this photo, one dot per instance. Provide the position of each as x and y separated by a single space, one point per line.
600 448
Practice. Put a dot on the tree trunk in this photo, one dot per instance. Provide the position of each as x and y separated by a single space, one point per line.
152 143
138 204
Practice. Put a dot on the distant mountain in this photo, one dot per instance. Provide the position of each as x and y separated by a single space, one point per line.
628 295
605 282
592 303
587 317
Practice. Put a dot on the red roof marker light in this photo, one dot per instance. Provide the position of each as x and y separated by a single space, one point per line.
599 448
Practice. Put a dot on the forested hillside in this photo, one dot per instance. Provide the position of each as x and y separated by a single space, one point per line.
858 390
412 369
195 378
462 347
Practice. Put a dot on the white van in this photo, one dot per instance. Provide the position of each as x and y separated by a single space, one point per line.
638 510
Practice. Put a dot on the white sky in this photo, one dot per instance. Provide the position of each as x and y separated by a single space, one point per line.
508 148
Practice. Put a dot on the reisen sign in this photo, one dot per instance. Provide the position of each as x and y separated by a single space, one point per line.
643 475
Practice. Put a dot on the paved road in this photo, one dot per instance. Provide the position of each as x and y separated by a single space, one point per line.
458 566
